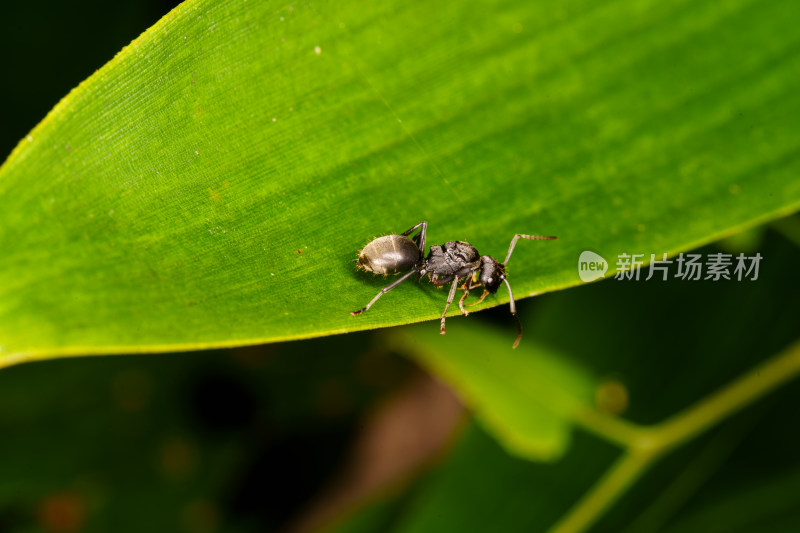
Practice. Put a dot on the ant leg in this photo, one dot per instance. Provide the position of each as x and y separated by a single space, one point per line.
519 236
420 238
453 288
475 284
514 312
466 292
484 295
409 231
384 291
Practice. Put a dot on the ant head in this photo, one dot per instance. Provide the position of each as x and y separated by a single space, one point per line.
492 273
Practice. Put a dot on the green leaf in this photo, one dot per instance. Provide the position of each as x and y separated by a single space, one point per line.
526 397
210 185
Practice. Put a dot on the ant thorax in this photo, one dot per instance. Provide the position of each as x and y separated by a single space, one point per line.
451 260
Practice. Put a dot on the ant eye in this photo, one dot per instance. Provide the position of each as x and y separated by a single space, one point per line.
490 281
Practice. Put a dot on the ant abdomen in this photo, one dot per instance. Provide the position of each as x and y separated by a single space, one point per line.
388 255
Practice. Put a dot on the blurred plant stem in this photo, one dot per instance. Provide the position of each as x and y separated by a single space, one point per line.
645 444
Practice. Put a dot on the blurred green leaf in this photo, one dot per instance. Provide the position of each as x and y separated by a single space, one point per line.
210 185
526 397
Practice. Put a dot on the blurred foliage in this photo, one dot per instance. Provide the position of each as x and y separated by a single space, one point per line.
529 397
671 344
211 442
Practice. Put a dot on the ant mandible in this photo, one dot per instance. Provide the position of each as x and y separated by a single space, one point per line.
452 261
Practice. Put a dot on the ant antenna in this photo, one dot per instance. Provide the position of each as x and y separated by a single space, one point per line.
513 306
519 236
514 312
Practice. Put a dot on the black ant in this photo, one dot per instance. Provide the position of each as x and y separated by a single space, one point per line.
452 261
